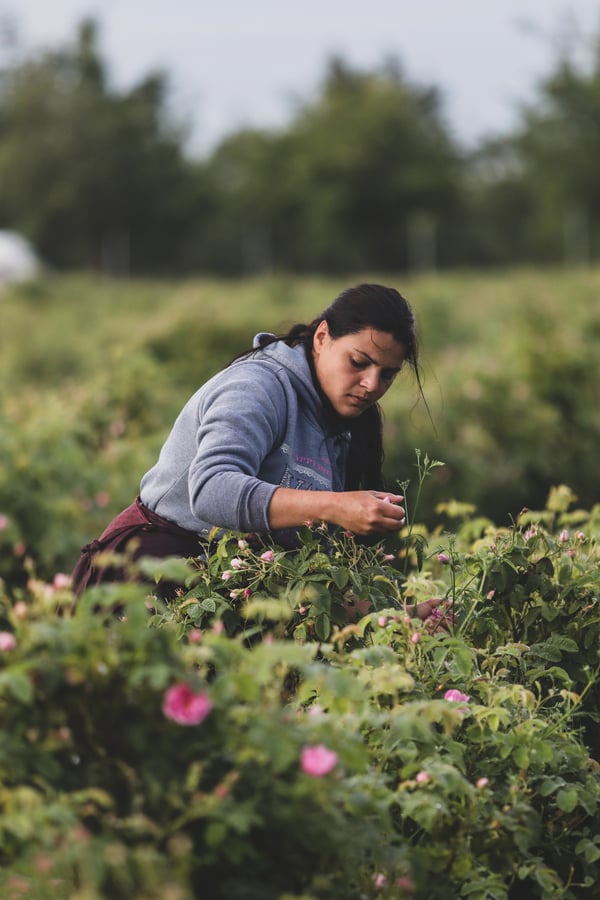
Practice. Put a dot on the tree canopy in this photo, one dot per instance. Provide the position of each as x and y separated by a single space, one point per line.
367 175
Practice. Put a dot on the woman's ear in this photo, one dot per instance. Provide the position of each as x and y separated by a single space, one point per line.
320 335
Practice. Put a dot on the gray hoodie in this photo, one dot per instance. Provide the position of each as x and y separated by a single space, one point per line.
256 425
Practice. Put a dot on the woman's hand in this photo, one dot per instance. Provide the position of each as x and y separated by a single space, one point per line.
369 512
436 613
361 512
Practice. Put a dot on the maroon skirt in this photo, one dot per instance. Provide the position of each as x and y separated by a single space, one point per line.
153 536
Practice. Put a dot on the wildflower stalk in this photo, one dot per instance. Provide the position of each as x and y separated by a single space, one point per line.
424 467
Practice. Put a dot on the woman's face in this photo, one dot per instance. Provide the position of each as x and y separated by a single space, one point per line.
356 370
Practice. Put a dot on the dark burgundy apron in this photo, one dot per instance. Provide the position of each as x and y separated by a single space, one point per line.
153 534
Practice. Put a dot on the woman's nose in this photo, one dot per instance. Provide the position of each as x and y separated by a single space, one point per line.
369 380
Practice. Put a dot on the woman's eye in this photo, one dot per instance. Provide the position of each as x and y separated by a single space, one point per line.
357 363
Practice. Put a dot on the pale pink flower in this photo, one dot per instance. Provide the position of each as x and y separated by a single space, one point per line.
389 557
61 581
454 696
490 595
382 621
563 536
267 556
20 609
247 593
7 641
482 783
380 881
318 760
242 544
226 575
415 637
236 563
4 520
185 707
302 610
194 636
443 558
580 535
422 777
234 594
571 553
530 533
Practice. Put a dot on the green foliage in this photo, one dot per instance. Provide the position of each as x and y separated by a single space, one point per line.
489 790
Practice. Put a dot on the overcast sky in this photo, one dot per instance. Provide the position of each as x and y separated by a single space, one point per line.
247 62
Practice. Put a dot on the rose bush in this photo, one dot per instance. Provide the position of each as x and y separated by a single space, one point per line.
283 734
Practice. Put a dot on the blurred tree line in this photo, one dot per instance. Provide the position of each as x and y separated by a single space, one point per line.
366 176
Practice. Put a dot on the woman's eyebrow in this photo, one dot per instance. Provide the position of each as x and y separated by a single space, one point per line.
375 362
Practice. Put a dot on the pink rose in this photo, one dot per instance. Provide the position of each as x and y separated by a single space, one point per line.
563 536
61 581
267 556
482 783
183 706
422 777
415 637
455 696
236 562
7 641
318 760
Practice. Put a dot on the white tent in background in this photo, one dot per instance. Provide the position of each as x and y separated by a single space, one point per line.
18 260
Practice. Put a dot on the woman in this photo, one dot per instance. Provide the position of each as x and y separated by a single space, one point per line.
289 432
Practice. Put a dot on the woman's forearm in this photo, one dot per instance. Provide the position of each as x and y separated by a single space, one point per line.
363 512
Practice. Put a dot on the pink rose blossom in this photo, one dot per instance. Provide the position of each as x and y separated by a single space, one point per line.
242 544
318 760
302 610
61 581
226 575
7 641
267 556
580 535
490 595
389 556
236 562
422 777
194 636
530 533
380 881
572 553
247 593
415 637
563 536
454 696
382 621
183 706
482 783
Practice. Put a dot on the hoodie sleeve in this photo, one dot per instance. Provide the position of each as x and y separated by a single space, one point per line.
240 420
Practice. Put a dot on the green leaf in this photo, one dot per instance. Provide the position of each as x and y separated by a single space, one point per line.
323 626
566 799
